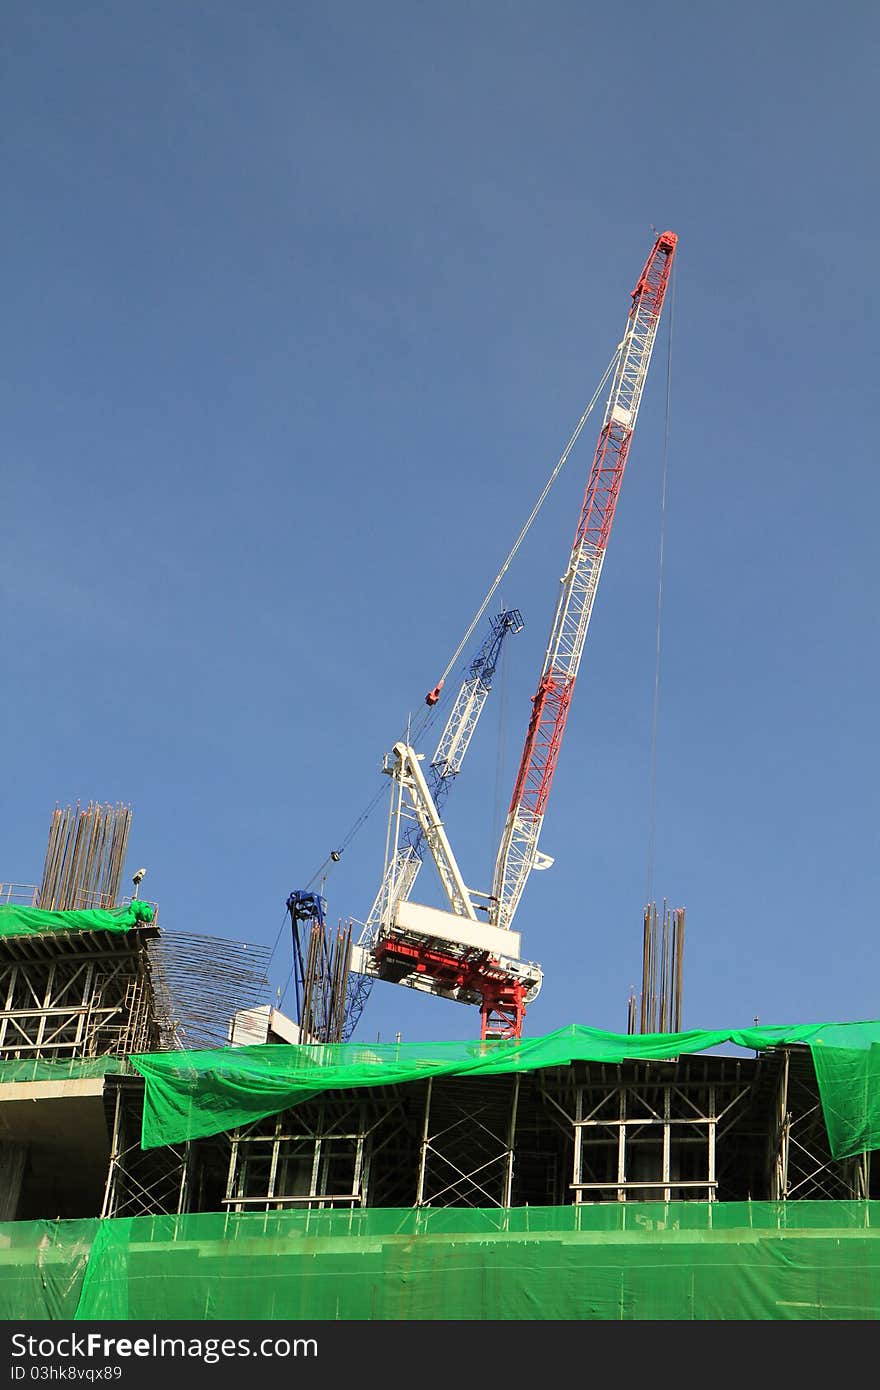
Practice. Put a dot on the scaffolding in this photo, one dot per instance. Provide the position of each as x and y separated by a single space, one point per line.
801 1165
316 1159
141 1182
318 1156
77 994
467 1150
703 1129
649 1131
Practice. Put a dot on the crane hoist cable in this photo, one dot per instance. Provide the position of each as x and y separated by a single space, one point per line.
433 695
265 980
652 794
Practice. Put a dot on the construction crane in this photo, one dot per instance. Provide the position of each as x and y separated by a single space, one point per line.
452 953
402 866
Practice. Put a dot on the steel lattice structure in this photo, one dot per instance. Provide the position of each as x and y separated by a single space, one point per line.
699 1128
79 995
519 843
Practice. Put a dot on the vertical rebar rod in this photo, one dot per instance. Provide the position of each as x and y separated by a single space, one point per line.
659 1009
85 857
655 982
643 1014
679 962
663 972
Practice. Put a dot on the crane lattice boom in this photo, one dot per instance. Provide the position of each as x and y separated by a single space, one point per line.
405 856
519 843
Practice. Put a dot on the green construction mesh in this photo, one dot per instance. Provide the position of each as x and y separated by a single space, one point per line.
632 1261
848 1072
42 1267
36 921
190 1095
64 1069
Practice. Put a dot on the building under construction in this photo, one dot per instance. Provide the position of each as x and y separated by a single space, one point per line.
174 1148
578 1175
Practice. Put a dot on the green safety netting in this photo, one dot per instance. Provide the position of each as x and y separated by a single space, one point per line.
62 1069
36 921
42 1267
190 1095
632 1261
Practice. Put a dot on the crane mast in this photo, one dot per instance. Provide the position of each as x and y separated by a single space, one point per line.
550 704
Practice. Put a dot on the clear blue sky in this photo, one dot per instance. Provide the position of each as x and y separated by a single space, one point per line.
301 302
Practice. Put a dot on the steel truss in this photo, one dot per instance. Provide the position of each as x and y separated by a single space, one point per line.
468 705
648 1131
83 995
314 1156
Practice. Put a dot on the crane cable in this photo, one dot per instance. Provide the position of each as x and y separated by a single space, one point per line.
652 796
332 858
534 512
335 854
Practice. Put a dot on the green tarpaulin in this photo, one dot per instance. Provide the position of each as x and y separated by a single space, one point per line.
190 1095
36 921
682 1261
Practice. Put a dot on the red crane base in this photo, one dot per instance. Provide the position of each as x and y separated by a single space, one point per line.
502 998
502 1011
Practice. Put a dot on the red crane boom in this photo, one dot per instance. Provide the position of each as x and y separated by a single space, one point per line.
550 705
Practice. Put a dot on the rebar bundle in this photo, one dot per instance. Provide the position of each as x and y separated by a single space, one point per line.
85 857
200 982
325 980
662 973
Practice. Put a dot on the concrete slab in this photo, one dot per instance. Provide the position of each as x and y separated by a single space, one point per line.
64 1128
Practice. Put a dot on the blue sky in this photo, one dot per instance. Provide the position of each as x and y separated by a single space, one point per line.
301 304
